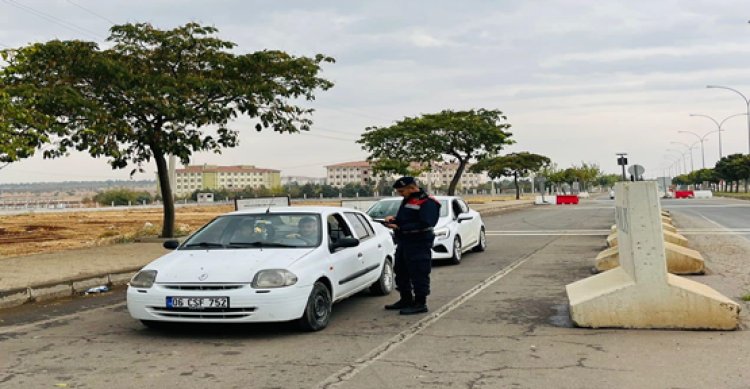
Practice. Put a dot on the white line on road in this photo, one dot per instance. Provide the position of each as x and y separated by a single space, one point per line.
348 372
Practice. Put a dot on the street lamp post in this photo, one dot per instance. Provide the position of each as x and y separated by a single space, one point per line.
684 160
719 125
747 104
690 148
701 139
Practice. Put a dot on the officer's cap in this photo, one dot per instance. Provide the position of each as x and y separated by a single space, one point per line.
404 181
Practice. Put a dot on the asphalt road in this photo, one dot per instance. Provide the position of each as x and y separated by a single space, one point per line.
92 342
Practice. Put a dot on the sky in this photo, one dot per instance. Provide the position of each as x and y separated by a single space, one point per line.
578 80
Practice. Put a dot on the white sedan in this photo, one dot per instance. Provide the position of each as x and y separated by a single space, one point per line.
265 265
458 230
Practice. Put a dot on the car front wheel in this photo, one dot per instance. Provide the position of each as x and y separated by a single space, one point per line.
384 284
457 251
318 310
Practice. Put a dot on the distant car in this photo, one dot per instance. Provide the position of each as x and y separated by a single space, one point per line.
458 230
265 265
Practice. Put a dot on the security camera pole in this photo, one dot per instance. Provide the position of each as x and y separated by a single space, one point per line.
622 161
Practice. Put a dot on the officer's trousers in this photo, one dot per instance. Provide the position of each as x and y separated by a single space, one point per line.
412 266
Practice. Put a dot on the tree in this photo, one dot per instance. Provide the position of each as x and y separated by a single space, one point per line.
15 144
151 94
512 165
459 135
733 168
607 180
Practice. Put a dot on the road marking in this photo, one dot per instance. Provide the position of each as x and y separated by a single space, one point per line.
23 327
687 231
348 372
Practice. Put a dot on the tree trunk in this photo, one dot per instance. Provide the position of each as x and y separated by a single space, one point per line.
456 177
167 230
515 182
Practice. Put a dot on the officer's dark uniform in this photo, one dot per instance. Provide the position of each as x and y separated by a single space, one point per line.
415 219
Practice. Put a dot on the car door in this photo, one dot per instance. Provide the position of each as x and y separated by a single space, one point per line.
346 262
475 223
371 249
464 227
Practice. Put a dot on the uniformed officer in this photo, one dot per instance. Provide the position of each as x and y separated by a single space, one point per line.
412 227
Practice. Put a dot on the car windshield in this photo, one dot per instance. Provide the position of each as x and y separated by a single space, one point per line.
265 230
384 208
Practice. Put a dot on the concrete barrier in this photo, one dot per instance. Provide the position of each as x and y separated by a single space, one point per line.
670 237
567 199
640 293
548 200
680 260
703 194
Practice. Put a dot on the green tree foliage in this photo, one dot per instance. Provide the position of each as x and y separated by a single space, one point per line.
123 197
608 180
512 165
734 168
458 135
16 143
152 93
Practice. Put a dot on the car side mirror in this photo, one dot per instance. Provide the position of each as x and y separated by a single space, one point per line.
464 217
171 244
344 242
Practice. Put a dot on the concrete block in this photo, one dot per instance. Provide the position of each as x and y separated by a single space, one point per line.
548 200
667 220
664 226
50 292
680 260
640 293
703 194
81 286
670 237
13 298
673 237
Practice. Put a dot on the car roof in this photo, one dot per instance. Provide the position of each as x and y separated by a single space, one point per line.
292 209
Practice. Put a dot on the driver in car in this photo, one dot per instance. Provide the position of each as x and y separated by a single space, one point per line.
307 230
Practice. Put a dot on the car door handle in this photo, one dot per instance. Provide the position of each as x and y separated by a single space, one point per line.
380 246
359 255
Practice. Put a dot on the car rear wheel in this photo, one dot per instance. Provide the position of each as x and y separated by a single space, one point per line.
457 251
482 244
384 284
318 310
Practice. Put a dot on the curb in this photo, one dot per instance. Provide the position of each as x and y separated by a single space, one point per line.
501 210
63 288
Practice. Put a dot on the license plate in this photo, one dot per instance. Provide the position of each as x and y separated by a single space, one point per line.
197 302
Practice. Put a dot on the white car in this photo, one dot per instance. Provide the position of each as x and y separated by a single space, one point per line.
265 265
458 230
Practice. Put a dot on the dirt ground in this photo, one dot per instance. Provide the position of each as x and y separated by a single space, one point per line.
45 232
36 233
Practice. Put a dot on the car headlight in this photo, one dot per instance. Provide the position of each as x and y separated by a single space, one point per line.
442 233
274 278
143 279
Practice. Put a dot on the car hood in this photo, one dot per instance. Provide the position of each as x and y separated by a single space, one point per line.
223 266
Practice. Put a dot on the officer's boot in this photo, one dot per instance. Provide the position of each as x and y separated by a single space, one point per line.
420 306
406 301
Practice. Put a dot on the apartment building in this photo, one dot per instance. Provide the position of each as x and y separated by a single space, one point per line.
440 175
192 178
358 172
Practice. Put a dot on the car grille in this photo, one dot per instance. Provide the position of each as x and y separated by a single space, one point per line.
206 313
202 286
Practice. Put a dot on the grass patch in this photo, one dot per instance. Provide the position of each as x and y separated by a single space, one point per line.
746 297
741 195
